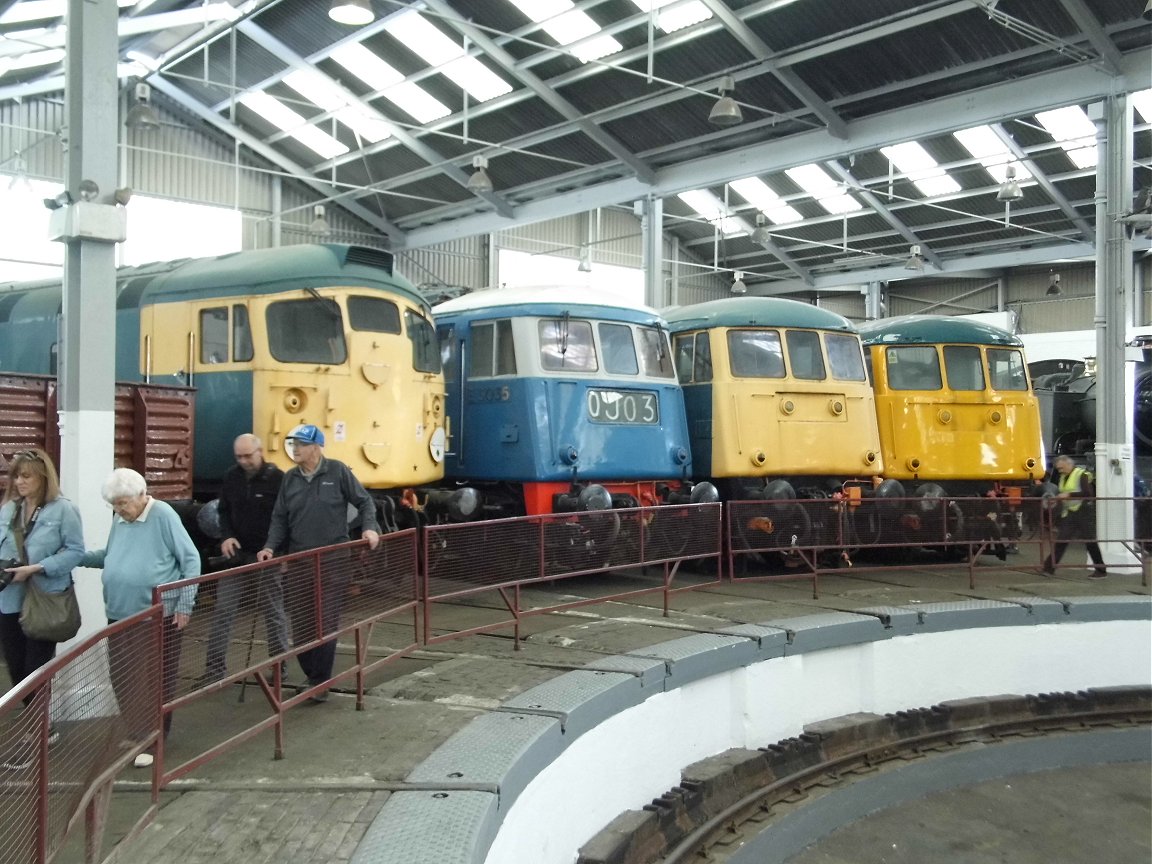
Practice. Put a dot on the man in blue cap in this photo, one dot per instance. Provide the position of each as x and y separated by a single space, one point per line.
311 511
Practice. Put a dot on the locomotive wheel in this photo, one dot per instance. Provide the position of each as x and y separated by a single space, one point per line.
582 545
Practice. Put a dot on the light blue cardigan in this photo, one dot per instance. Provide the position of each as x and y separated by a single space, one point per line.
56 543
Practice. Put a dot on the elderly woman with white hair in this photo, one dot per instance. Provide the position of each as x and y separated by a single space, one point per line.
147 546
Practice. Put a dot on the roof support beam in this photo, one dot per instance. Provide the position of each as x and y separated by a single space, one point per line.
542 90
1087 22
267 41
1079 84
300 173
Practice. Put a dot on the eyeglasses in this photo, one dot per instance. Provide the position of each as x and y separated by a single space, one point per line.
28 454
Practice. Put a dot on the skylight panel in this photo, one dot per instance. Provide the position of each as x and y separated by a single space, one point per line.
1142 102
567 25
366 66
287 120
828 193
672 15
984 144
416 101
33 59
757 193
912 160
715 211
476 79
322 91
1074 132
418 34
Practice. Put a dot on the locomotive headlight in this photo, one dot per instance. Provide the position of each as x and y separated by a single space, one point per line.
679 455
870 457
945 416
595 497
1029 464
995 416
434 405
913 464
836 407
758 458
295 400
787 406
569 455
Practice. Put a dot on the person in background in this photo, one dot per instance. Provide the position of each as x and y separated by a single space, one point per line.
42 530
147 546
1077 518
247 495
312 511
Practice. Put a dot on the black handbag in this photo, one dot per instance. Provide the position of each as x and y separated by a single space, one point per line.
49 616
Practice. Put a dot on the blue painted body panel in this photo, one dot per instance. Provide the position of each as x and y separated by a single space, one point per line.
698 407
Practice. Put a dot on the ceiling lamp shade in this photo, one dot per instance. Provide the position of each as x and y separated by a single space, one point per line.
725 111
141 115
480 182
1010 188
738 286
915 259
354 13
761 234
319 226
1053 286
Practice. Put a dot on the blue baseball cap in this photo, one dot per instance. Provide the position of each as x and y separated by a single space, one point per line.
306 434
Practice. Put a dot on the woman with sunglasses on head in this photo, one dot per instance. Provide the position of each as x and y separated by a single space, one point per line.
41 532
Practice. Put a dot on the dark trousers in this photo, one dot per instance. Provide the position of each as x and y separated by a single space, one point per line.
1077 526
230 592
301 600
22 655
133 676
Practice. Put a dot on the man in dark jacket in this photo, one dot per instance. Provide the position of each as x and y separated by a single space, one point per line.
312 511
247 496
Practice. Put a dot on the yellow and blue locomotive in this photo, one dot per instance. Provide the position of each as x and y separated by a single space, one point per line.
779 409
323 334
562 400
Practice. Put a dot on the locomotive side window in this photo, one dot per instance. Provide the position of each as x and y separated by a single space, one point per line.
493 351
299 332
844 357
804 355
702 361
566 345
1007 369
242 350
425 348
447 337
373 314
654 355
214 335
619 350
964 366
915 367
682 349
756 353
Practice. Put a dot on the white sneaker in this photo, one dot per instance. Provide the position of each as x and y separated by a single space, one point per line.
143 760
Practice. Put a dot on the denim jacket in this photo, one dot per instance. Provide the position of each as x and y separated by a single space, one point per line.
56 542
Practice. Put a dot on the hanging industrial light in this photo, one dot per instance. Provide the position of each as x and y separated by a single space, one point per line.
761 234
480 182
319 226
738 286
915 259
354 13
1010 188
1053 285
725 111
141 115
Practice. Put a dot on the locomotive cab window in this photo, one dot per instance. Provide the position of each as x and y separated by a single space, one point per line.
655 358
448 353
214 335
566 345
756 353
306 331
1006 368
804 355
425 348
845 357
914 367
618 348
964 366
373 314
